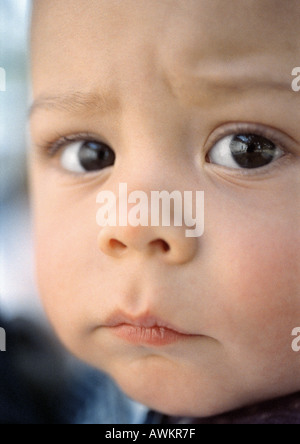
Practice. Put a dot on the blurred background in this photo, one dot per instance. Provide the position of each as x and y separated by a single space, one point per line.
18 293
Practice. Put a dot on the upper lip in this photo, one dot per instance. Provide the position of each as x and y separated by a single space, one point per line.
143 321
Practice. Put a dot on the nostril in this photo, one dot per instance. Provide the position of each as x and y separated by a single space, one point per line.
160 243
116 245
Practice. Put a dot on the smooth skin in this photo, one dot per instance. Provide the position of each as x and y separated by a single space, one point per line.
161 82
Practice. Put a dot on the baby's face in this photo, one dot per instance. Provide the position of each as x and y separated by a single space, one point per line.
171 95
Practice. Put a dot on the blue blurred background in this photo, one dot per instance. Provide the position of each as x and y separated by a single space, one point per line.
17 286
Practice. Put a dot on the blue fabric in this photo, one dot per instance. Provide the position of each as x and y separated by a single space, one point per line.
95 399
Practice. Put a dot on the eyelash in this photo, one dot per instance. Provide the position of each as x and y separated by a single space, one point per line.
51 147
251 128
246 128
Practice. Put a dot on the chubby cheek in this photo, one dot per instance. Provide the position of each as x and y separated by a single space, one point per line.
259 291
67 263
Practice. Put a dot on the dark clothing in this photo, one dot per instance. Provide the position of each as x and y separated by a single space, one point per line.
31 376
278 411
40 383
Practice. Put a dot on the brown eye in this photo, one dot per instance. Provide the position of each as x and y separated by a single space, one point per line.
252 151
246 151
87 156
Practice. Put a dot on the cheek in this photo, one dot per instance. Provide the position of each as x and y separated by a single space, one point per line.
254 270
261 265
259 269
66 258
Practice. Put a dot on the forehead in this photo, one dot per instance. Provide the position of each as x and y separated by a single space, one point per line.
70 38
212 20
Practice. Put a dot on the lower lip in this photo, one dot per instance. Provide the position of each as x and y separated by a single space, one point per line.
154 336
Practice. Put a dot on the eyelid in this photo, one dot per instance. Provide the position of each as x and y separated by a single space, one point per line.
283 141
51 147
255 173
280 139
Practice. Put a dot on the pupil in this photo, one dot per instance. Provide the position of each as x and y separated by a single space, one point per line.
252 151
94 156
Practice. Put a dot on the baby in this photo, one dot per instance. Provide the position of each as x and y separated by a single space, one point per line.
164 95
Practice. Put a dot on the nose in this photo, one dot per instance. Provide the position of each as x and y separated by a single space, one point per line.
168 244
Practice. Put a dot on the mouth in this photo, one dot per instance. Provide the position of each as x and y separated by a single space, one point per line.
145 330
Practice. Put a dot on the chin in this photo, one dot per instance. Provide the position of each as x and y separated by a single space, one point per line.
175 405
174 395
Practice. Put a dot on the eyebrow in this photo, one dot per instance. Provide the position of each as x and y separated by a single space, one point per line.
221 81
248 83
75 102
209 89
